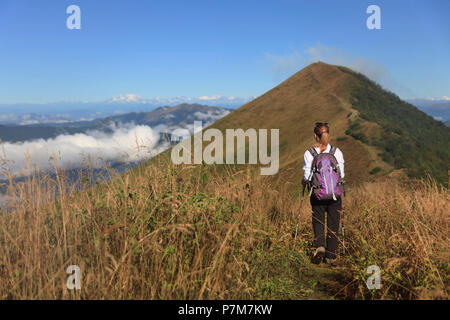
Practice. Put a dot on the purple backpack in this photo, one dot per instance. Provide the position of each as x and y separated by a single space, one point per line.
326 175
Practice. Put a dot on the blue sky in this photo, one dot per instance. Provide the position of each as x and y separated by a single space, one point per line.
231 48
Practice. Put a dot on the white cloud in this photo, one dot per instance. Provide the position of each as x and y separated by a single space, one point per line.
36 118
336 56
210 115
283 66
443 98
181 133
130 97
28 122
214 97
127 143
8 117
168 116
62 121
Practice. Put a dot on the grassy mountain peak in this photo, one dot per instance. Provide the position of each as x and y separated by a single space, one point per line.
375 129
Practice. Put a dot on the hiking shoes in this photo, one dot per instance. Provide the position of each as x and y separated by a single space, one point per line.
330 262
318 255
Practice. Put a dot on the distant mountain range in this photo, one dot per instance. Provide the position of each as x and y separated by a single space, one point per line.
437 108
166 119
64 112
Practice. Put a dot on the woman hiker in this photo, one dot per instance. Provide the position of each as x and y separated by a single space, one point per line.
323 167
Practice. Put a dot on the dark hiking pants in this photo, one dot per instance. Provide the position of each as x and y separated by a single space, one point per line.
331 207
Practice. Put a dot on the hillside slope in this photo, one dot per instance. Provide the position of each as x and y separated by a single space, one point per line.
374 128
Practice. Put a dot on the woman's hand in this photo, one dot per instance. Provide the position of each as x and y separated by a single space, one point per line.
304 183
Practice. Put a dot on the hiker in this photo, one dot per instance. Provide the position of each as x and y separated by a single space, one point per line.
323 167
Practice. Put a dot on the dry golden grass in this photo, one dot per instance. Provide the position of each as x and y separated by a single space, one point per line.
195 233
404 230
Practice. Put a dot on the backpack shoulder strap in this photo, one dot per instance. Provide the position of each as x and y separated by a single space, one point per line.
333 150
313 152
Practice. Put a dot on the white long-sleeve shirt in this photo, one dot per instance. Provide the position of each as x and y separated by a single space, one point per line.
308 159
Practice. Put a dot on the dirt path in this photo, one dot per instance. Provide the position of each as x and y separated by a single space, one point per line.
332 283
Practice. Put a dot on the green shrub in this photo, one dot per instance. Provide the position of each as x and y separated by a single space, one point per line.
375 170
355 131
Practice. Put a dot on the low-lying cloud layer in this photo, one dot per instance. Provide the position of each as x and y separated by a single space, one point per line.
127 143
123 143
